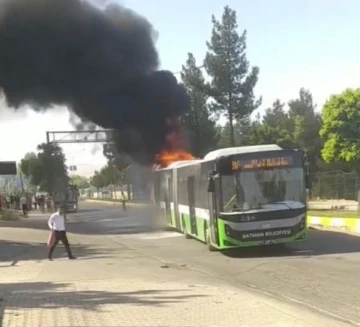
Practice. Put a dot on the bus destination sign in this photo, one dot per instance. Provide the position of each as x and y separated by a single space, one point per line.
264 163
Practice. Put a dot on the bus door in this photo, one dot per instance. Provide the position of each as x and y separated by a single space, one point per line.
175 199
213 199
191 200
168 200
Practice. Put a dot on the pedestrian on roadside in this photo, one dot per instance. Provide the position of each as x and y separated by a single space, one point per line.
24 205
123 201
57 226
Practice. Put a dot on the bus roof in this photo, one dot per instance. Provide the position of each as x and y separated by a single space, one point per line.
181 163
224 152
241 149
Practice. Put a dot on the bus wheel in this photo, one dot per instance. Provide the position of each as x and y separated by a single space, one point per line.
208 241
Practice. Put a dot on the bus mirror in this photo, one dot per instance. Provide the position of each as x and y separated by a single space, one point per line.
211 185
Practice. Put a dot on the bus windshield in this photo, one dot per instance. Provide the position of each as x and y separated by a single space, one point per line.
274 189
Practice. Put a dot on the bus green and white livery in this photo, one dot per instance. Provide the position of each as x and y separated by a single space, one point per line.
236 197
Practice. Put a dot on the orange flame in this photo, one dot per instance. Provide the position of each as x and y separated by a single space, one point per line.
165 158
174 150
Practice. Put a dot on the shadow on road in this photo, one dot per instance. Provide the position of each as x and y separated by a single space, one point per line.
319 242
113 222
47 296
22 251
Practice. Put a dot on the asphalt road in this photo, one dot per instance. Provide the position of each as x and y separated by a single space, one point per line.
322 274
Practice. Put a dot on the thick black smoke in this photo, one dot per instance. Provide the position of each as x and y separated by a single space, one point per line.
102 64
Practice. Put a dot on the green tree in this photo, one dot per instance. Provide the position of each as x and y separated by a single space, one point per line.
306 125
80 181
97 180
200 127
233 80
242 128
111 175
340 130
273 128
47 168
277 117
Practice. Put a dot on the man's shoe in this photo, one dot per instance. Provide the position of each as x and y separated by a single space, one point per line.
72 258
50 258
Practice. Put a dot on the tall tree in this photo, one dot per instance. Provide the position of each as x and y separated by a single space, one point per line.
242 128
306 124
340 130
97 180
277 117
233 81
200 127
274 127
47 168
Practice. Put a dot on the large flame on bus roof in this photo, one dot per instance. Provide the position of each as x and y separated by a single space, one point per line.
174 150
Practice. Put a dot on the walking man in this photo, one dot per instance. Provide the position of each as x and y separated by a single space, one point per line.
57 225
24 205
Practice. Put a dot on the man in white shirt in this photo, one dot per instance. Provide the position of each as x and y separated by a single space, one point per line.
57 225
23 204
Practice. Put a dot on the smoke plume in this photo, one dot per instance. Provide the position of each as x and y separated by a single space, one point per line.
100 63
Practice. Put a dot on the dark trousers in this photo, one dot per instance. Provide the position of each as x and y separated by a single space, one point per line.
61 236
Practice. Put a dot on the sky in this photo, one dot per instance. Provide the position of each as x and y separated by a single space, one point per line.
298 43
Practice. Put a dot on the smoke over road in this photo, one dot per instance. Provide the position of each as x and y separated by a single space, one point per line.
101 64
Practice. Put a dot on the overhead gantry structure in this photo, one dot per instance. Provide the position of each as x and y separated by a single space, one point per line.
87 136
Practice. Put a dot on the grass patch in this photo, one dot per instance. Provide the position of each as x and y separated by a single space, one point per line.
333 213
9 215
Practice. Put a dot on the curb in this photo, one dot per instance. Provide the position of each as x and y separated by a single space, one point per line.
349 225
117 204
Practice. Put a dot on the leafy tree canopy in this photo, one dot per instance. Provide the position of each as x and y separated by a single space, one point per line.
46 168
232 79
340 129
201 129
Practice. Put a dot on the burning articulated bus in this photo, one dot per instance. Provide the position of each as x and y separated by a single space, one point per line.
236 197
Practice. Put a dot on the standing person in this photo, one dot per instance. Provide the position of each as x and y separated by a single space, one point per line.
123 200
24 205
35 202
57 225
12 202
17 202
42 203
50 202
